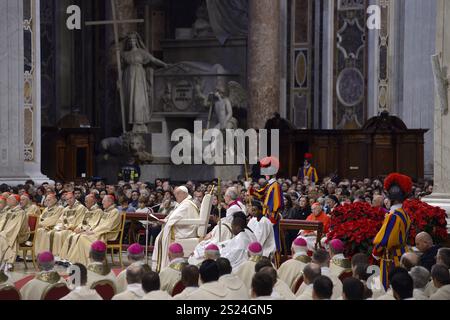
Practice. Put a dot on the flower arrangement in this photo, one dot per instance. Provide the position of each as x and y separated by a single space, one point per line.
358 223
426 218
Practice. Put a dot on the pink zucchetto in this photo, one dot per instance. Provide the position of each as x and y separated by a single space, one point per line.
45 257
255 248
300 242
336 245
98 246
212 247
176 248
135 249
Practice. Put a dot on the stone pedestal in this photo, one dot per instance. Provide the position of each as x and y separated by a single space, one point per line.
441 195
263 61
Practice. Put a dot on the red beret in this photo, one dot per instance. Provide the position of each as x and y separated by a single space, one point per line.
308 156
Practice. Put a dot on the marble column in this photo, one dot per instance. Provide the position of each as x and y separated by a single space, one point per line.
13 167
441 194
263 61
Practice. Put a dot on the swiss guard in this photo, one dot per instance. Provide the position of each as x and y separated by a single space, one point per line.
308 170
391 241
272 197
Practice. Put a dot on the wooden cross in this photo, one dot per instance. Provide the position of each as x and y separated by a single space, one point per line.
116 24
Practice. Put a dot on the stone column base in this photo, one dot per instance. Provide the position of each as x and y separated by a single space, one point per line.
441 200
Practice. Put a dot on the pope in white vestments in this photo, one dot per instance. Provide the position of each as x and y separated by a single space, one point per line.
172 231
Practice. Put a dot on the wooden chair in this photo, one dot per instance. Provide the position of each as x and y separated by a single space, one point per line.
297 284
178 288
9 293
105 288
25 247
55 291
345 274
117 244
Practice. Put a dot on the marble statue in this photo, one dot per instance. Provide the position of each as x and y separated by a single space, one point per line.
202 28
138 82
441 82
129 144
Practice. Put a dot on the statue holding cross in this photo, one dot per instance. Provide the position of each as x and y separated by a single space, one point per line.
134 88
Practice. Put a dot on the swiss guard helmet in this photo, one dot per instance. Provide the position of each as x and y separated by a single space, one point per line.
269 166
398 186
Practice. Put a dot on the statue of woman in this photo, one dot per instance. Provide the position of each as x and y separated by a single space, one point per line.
138 93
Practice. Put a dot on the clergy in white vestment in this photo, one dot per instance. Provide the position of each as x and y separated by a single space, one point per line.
235 250
134 284
211 288
13 231
310 273
98 268
262 287
322 258
151 286
222 231
48 219
262 227
71 217
171 275
80 290
189 279
238 289
292 269
90 220
136 255
34 289
420 276
441 279
28 206
280 289
171 231
247 270
339 263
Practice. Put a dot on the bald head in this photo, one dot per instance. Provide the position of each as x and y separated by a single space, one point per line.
311 272
134 273
11 201
423 241
90 201
409 260
107 201
50 200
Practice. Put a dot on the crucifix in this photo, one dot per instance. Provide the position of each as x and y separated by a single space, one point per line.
115 22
